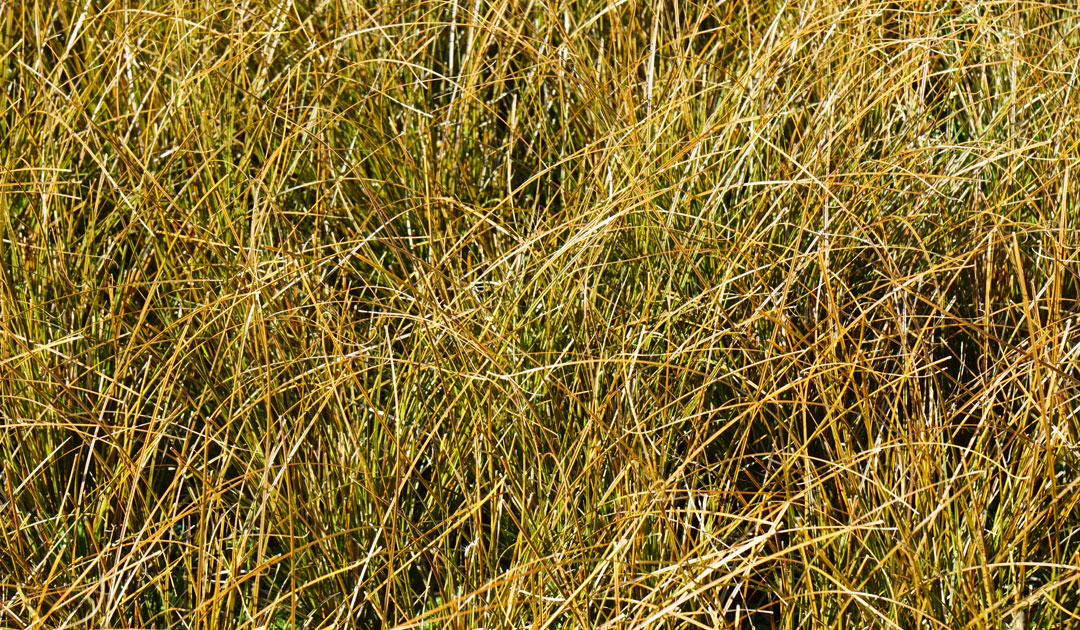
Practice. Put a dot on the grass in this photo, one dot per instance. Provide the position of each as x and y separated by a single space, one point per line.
539 314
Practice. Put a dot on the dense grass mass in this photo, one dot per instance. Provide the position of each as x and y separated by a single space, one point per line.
539 314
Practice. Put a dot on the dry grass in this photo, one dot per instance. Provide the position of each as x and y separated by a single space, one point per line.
539 314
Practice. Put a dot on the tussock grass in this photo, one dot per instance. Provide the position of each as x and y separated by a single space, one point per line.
539 314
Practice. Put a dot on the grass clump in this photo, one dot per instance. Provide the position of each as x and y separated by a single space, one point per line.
539 314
